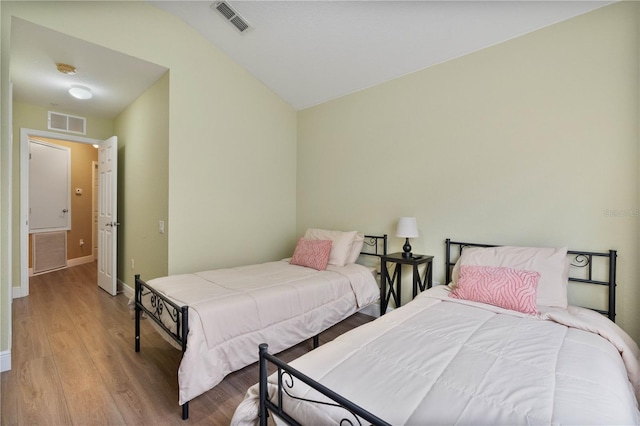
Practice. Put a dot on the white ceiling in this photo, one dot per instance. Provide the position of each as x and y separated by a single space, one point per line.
115 79
307 52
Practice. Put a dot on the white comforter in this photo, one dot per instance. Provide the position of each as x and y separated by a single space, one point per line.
439 361
232 311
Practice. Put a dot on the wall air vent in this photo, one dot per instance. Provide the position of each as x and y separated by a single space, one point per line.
49 251
67 123
231 15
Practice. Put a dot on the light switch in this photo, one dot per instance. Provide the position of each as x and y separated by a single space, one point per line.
161 226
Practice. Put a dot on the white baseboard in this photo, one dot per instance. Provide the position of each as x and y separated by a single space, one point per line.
125 288
5 361
17 292
80 261
70 262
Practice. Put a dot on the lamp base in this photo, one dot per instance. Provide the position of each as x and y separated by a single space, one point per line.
407 249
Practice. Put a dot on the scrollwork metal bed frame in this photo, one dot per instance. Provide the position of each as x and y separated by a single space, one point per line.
286 378
355 414
373 245
579 259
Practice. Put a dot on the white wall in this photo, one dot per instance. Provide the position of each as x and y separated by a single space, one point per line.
530 142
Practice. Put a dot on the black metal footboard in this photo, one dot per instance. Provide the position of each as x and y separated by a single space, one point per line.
162 309
354 414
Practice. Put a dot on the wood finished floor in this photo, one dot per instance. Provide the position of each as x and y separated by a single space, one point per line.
73 362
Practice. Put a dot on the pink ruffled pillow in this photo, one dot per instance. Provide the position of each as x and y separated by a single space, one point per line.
312 253
508 288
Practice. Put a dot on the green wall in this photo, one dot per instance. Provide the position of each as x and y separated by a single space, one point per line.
143 178
530 142
230 165
6 249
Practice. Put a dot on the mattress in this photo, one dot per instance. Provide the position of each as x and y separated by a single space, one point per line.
232 311
439 360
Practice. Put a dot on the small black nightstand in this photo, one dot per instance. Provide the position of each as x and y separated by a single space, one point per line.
390 285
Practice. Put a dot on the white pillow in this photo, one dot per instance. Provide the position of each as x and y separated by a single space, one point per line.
356 248
341 243
551 263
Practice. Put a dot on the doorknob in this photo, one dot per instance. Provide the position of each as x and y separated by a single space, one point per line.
65 210
113 224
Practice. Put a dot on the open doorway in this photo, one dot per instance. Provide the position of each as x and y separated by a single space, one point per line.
80 235
116 81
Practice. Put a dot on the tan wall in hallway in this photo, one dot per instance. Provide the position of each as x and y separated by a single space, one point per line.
35 117
82 156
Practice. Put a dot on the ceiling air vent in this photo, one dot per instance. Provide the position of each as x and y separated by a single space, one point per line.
231 15
67 123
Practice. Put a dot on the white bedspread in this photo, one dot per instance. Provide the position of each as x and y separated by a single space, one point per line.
439 361
232 311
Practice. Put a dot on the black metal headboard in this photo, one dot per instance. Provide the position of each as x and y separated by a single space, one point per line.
580 259
375 245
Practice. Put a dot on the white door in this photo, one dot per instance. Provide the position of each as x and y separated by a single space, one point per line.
107 214
49 187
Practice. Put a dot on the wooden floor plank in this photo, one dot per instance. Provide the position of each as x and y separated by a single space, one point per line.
9 407
40 397
74 364
73 361
33 342
94 406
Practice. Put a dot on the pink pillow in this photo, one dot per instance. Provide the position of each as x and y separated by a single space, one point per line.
312 253
550 262
508 288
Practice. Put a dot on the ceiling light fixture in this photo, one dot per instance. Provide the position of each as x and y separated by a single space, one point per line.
80 92
66 68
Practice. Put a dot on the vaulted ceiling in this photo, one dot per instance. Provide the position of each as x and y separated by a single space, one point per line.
308 52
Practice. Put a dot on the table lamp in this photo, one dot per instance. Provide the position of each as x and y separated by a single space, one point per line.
407 228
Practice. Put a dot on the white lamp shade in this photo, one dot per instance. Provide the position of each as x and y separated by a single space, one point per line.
407 227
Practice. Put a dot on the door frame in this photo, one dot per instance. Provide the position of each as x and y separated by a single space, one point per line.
25 133
94 209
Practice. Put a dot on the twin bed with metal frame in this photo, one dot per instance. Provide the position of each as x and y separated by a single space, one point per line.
443 361
198 323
